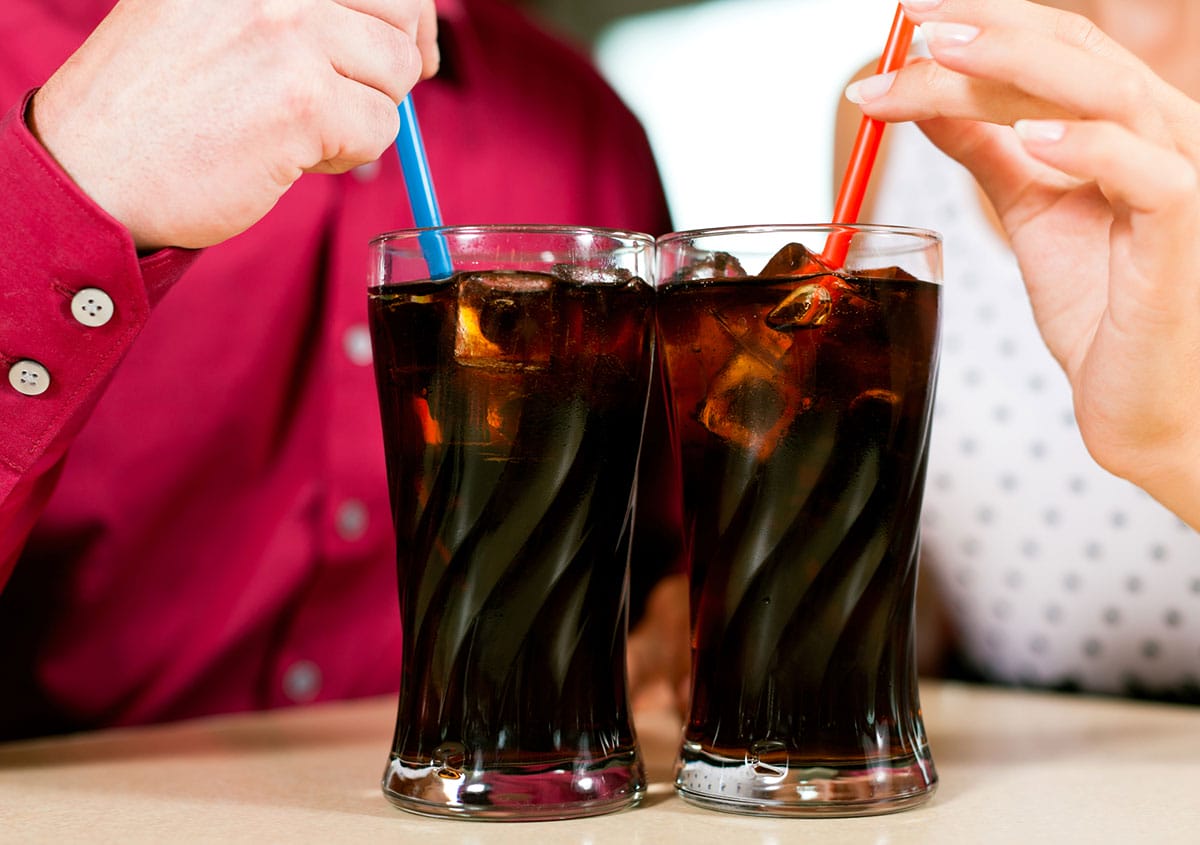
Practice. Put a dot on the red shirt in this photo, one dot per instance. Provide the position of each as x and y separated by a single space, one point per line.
202 485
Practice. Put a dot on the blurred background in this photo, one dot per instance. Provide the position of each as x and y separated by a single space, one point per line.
738 96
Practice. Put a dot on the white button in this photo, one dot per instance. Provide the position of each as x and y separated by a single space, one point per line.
357 344
92 307
351 520
302 681
29 377
367 172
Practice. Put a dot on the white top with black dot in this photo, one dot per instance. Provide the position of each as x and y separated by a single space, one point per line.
1055 572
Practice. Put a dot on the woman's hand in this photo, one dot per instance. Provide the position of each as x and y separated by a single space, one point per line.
186 121
1091 162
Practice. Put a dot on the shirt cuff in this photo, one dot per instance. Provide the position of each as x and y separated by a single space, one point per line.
73 296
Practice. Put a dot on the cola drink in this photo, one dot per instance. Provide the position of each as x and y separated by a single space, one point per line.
512 405
801 402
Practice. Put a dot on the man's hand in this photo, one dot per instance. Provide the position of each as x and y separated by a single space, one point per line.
659 654
187 121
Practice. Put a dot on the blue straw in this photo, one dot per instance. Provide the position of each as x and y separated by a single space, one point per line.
415 166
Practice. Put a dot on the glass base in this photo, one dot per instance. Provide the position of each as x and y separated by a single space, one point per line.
744 785
517 793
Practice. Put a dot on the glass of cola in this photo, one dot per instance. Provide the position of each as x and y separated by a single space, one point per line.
512 396
801 397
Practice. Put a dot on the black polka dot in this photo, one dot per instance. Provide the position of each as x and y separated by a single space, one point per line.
1051 516
1133 584
1030 548
1093 551
1092 647
1196 585
1072 582
1173 618
1054 614
1151 649
1119 519
1039 644
1038 450
1077 485
1111 616
1008 482
1158 552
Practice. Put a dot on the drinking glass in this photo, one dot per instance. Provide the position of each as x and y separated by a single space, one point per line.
512 396
801 397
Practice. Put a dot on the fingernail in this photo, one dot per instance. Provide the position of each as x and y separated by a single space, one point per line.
1040 131
942 34
871 88
920 5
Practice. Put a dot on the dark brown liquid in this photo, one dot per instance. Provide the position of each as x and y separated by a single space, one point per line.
512 410
803 453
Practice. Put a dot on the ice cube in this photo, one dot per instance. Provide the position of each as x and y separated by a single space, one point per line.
897 274
505 320
877 397
582 275
715 265
794 260
805 307
812 304
875 411
751 404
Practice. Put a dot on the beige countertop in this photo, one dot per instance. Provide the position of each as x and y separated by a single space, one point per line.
1015 767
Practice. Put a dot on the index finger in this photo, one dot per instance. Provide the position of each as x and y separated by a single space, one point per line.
417 18
427 43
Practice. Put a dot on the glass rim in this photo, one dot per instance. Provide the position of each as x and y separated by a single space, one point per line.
623 235
930 236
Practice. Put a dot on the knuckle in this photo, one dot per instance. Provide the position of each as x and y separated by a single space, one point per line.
275 16
1127 92
302 100
1078 31
389 127
1182 181
405 62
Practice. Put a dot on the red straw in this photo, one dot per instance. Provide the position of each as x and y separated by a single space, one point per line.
866 146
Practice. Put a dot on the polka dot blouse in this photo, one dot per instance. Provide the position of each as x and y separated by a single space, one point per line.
1055 572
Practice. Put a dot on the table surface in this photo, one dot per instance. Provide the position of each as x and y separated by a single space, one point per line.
1015 767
